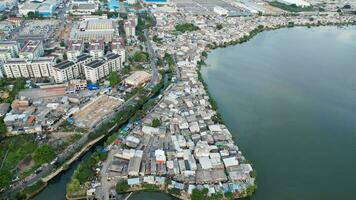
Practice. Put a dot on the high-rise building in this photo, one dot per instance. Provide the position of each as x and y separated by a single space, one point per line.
100 68
25 68
32 49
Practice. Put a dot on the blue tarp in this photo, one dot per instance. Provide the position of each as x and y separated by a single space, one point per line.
92 86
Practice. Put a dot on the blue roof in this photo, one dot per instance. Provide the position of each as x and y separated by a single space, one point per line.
133 181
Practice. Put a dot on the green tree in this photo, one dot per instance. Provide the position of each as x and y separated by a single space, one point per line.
199 194
174 191
219 26
5 178
156 122
44 154
140 57
31 15
186 27
114 78
73 186
122 187
3 128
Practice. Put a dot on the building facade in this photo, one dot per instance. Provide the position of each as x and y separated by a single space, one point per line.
24 68
100 68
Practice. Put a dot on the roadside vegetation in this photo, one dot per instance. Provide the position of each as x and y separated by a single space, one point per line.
13 150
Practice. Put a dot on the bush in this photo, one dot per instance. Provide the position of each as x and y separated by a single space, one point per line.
5 178
199 194
140 57
44 154
174 191
156 123
73 186
122 187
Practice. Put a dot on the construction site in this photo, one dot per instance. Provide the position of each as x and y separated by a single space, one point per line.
89 115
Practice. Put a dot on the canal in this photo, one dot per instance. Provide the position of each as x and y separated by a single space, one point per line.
289 98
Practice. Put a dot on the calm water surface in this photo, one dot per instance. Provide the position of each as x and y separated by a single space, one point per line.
289 98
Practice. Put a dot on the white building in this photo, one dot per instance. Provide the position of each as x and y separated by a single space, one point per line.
132 17
131 2
100 68
220 10
97 49
32 49
35 68
75 49
12 46
130 28
69 70
83 8
117 47
95 29
28 7
301 3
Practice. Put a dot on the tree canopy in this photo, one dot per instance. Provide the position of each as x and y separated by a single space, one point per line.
114 78
156 122
44 154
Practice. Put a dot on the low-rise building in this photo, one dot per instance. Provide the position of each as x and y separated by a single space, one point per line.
137 78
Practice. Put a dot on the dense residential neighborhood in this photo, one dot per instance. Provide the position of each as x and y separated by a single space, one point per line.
77 73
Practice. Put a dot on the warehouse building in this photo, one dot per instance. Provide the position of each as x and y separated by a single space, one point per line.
138 78
94 29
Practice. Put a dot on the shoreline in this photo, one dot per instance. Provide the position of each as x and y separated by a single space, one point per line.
201 63
247 38
208 48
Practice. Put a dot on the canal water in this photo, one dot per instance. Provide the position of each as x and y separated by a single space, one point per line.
289 98
56 188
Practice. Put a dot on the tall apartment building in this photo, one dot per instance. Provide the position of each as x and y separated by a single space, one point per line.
130 28
100 68
32 49
132 17
118 47
35 68
8 49
69 70
75 49
96 49
12 46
